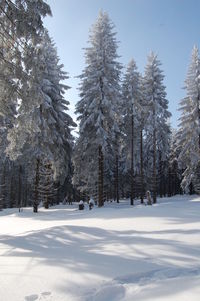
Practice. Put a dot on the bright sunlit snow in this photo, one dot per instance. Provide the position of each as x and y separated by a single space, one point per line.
106 254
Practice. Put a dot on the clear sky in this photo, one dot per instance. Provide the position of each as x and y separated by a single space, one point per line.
168 27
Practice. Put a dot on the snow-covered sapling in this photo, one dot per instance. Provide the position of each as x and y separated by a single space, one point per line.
81 205
91 204
149 201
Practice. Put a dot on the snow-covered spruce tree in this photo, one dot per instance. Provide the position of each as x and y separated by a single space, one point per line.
131 94
157 128
174 171
20 20
143 145
97 108
43 127
8 76
189 127
8 102
24 16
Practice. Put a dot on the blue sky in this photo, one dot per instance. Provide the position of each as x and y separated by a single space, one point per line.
168 27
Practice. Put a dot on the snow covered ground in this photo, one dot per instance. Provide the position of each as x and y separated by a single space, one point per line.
107 254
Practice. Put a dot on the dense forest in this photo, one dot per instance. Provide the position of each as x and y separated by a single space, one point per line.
125 144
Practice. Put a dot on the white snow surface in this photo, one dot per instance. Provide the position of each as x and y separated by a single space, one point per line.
115 253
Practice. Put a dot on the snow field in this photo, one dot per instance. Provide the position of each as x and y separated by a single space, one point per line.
115 253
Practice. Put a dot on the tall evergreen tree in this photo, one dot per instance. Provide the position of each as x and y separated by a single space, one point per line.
20 21
43 128
98 107
189 127
131 93
174 170
157 128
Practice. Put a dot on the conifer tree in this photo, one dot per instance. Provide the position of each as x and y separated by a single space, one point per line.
131 91
98 108
43 128
189 127
20 21
157 128
174 172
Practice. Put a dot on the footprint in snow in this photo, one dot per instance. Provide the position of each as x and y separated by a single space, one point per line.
43 296
31 298
112 293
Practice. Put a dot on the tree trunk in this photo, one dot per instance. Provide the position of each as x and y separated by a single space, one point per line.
160 173
132 163
12 194
25 193
19 188
141 167
154 186
46 203
1 192
58 193
47 167
117 179
169 192
37 178
177 183
100 181
3 188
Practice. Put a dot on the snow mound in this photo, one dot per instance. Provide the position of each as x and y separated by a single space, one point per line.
119 288
157 275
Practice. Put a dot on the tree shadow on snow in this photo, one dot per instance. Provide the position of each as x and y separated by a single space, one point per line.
100 252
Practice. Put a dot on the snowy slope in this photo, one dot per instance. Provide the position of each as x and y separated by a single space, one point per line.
106 254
